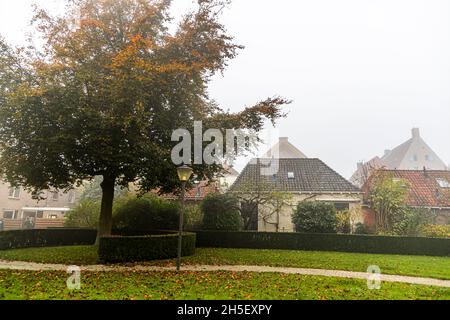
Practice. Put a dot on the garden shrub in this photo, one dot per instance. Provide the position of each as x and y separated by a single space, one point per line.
361 228
46 238
324 242
146 214
343 224
220 212
315 217
436 231
119 249
411 221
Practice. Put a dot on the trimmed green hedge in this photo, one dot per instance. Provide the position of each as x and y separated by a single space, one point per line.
18 239
119 249
325 242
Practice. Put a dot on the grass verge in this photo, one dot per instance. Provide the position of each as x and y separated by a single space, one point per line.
202 286
420 266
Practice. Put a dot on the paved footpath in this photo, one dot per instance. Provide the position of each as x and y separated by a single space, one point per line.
29 266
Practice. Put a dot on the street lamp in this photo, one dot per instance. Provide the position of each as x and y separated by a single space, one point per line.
184 174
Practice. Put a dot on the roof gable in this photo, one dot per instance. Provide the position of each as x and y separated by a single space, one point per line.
365 170
414 154
284 150
395 157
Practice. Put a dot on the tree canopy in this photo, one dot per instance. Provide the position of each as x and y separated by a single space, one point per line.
106 91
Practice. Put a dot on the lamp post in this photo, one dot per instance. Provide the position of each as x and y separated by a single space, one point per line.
184 174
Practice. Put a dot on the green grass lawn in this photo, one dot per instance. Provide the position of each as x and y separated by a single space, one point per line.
435 267
202 286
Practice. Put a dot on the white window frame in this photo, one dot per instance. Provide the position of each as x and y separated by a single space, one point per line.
443 183
14 193
14 216
8 211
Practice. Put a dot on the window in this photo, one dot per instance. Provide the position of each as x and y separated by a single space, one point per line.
55 196
10 214
291 175
14 193
40 214
443 183
342 206
53 216
414 158
71 196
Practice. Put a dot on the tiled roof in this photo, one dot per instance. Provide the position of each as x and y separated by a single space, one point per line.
201 190
309 175
425 190
198 192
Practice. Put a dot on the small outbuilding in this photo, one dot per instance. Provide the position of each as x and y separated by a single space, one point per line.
293 180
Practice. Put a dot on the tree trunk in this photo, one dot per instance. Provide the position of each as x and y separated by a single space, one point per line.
105 224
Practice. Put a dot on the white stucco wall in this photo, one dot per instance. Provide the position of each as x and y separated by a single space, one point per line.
25 200
268 223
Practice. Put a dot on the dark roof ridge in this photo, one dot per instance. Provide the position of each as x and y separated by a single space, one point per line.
419 170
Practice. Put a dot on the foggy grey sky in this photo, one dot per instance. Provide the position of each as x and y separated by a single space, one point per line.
361 73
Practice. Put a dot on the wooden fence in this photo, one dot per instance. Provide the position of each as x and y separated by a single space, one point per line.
13 224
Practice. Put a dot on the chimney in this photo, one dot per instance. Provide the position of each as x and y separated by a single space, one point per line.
416 133
360 165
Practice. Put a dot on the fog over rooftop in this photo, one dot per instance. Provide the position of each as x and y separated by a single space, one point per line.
361 73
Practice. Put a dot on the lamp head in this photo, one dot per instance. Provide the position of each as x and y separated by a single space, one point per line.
184 173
